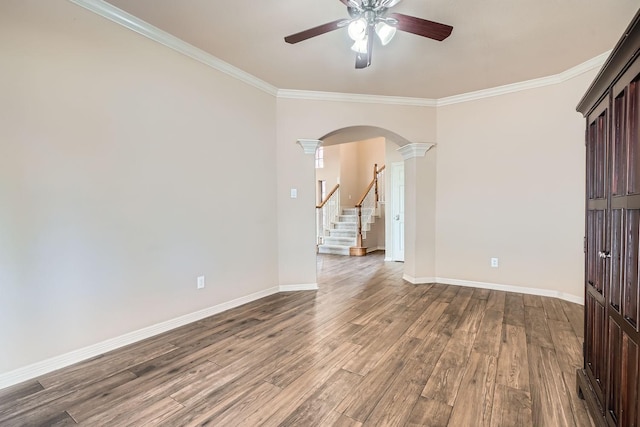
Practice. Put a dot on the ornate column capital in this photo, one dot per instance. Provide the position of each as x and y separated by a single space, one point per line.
309 146
416 149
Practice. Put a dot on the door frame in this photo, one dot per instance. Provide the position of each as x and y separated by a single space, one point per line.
394 238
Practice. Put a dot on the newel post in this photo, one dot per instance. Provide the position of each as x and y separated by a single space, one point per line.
358 250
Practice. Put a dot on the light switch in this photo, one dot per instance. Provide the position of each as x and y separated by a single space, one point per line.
294 193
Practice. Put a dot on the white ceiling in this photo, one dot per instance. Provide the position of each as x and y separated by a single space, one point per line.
493 43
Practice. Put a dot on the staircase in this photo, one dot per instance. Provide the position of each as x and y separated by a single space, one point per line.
344 233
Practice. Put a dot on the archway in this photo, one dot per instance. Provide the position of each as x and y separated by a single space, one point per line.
354 185
419 193
361 133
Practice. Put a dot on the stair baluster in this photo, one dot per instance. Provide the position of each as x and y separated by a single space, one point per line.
326 213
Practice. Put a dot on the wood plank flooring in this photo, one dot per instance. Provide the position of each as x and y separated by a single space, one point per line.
367 349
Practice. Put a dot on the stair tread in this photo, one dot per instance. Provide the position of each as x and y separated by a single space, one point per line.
344 231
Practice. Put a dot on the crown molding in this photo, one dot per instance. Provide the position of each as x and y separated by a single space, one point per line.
589 65
586 66
145 29
354 97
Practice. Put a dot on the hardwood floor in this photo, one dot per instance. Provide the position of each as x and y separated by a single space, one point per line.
366 349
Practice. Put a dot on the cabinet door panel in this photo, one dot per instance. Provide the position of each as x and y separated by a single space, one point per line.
617 258
633 140
597 157
595 357
596 265
630 383
630 291
614 402
601 156
619 149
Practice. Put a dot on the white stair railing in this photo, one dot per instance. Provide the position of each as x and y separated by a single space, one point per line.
326 214
368 209
381 179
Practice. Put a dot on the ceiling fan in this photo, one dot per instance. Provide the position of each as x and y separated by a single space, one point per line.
369 17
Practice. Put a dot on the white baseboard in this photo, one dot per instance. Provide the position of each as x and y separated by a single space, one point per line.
49 365
40 368
497 287
303 287
418 280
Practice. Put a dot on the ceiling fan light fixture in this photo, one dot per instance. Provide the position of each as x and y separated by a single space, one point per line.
360 46
385 32
357 29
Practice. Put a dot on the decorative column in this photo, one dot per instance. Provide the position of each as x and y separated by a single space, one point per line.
420 212
296 207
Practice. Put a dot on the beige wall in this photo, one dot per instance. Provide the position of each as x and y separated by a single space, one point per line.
356 167
126 170
510 184
370 152
350 185
312 119
331 170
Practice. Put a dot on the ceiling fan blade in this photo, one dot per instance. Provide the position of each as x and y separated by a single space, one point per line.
315 31
352 3
389 3
363 60
422 27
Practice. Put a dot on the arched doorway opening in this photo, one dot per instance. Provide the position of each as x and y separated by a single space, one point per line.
346 160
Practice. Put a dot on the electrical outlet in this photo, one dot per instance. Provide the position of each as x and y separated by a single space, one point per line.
200 282
494 262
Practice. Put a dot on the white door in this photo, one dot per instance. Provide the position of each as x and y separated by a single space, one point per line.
397 211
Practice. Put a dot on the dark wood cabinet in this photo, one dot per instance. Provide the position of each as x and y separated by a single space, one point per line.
609 379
